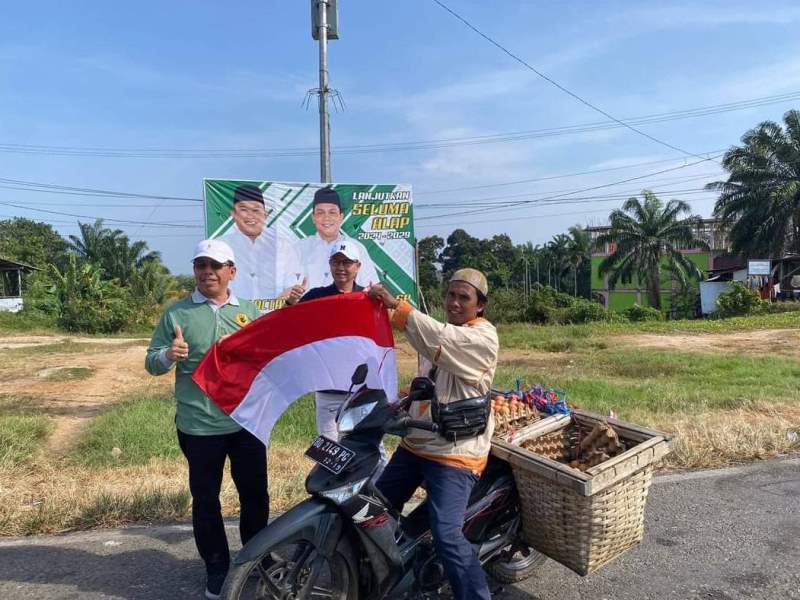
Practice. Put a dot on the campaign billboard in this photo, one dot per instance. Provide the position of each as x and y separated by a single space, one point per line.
282 234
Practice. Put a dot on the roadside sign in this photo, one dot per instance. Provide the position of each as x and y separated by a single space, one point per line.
758 267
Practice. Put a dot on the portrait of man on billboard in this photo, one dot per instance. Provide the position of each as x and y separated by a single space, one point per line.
268 263
314 251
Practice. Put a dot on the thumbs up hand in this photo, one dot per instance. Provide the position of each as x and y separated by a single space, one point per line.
179 350
296 291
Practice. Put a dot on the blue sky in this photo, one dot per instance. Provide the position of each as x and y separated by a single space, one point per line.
209 75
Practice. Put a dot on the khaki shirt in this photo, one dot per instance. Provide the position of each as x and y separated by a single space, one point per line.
466 357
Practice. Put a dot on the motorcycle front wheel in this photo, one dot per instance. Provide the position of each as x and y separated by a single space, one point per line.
295 570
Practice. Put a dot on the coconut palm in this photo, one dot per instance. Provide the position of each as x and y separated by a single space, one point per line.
760 201
111 250
648 236
579 253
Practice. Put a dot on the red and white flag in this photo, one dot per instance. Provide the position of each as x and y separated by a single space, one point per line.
255 374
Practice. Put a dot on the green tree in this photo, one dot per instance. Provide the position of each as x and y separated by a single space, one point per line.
579 256
86 302
429 249
33 243
111 250
760 201
649 236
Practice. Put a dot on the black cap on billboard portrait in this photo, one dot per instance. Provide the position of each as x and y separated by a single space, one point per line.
327 195
248 192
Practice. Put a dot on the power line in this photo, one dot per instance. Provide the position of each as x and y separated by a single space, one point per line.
559 86
491 200
55 212
562 176
509 205
84 191
434 144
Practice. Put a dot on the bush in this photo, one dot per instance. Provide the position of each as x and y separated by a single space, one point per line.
585 311
546 305
642 313
780 307
89 304
738 301
506 306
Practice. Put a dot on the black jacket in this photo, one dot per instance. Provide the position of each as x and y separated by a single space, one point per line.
324 291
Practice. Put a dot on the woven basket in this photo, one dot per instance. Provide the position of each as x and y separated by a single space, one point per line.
581 519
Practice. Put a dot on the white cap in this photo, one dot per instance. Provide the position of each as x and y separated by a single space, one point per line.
348 249
215 250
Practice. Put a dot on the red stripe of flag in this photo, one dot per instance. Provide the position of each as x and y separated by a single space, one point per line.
227 371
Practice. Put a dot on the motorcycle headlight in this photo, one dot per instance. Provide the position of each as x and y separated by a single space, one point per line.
342 494
350 416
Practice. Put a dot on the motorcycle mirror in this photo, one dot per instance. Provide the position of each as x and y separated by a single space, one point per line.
360 374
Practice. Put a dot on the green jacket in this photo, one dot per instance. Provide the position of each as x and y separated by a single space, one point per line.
202 326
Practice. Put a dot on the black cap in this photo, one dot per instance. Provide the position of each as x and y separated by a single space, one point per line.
327 195
248 192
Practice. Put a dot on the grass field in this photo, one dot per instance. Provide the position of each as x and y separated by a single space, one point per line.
728 391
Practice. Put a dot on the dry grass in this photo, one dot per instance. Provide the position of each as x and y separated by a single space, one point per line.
722 407
49 498
728 437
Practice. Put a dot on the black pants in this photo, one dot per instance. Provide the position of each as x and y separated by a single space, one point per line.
206 457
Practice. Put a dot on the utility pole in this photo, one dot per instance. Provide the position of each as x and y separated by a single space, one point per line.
324 26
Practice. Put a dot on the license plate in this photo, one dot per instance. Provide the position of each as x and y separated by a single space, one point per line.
330 454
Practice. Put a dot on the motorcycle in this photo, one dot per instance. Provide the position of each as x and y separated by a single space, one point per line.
346 542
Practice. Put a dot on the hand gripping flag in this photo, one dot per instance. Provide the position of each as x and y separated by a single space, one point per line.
256 373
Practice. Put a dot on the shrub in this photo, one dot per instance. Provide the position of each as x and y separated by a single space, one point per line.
546 305
738 300
642 313
585 311
88 303
506 306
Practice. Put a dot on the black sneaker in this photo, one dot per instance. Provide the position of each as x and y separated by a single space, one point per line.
214 585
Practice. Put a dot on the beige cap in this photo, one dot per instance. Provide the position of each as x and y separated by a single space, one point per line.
473 277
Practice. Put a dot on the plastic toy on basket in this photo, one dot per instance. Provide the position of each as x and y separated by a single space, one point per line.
551 401
517 408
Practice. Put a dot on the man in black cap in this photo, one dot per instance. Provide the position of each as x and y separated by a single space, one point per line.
315 250
269 265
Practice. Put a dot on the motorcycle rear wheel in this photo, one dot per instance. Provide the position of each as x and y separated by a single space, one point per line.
298 573
520 565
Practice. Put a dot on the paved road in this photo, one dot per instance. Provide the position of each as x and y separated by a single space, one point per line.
712 535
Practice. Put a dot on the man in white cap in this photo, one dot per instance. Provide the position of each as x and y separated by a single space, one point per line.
207 436
269 265
327 215
343 264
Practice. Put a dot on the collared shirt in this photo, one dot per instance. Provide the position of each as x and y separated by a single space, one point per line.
202 322
266 266
315 253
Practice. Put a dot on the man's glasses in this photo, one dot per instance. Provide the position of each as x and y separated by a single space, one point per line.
203 263
341 263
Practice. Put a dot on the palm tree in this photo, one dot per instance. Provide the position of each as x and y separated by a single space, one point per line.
96 243
649 236
111 250
760 201
558 249
579 253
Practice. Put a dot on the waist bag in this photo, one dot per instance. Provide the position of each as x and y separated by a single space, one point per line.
461 419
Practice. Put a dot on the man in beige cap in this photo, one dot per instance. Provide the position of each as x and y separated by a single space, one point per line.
461 357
